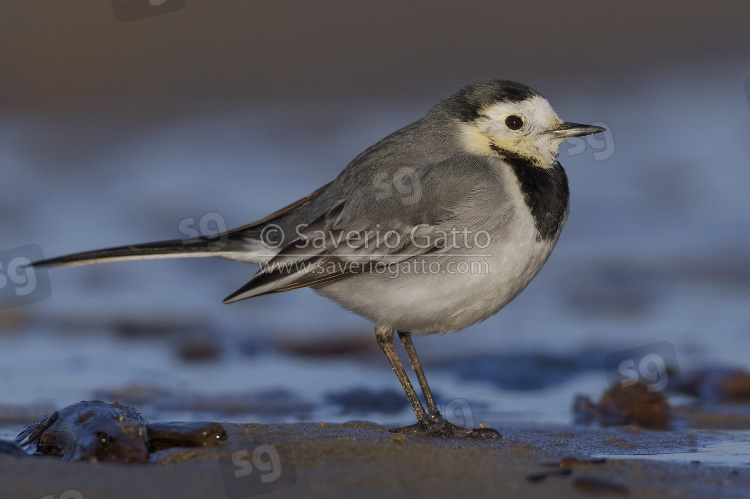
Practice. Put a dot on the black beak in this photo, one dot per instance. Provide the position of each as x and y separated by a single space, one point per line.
567 130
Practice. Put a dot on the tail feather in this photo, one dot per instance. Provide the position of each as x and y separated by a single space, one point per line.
243 244
175 248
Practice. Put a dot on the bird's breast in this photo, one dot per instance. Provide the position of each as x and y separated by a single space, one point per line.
485 267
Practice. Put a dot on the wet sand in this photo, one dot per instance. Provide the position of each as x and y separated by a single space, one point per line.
351 459
79 57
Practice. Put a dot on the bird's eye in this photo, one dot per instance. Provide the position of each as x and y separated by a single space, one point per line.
514 122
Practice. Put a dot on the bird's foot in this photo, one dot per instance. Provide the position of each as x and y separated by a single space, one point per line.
440 427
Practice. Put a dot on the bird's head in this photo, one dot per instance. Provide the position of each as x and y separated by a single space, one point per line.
501 117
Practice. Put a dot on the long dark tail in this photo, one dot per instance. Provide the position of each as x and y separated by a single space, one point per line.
220 246
242 244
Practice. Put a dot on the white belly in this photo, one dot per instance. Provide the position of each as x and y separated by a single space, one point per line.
430 294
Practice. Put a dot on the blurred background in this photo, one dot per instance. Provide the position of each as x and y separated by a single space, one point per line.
125 122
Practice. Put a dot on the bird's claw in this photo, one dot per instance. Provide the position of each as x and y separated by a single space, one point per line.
439 427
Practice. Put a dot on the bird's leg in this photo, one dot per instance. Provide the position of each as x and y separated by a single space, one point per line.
432 423
405 337
384 337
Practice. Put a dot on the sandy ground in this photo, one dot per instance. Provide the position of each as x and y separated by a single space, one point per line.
354 459
63 57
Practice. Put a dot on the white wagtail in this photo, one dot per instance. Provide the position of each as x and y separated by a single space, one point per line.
432 229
